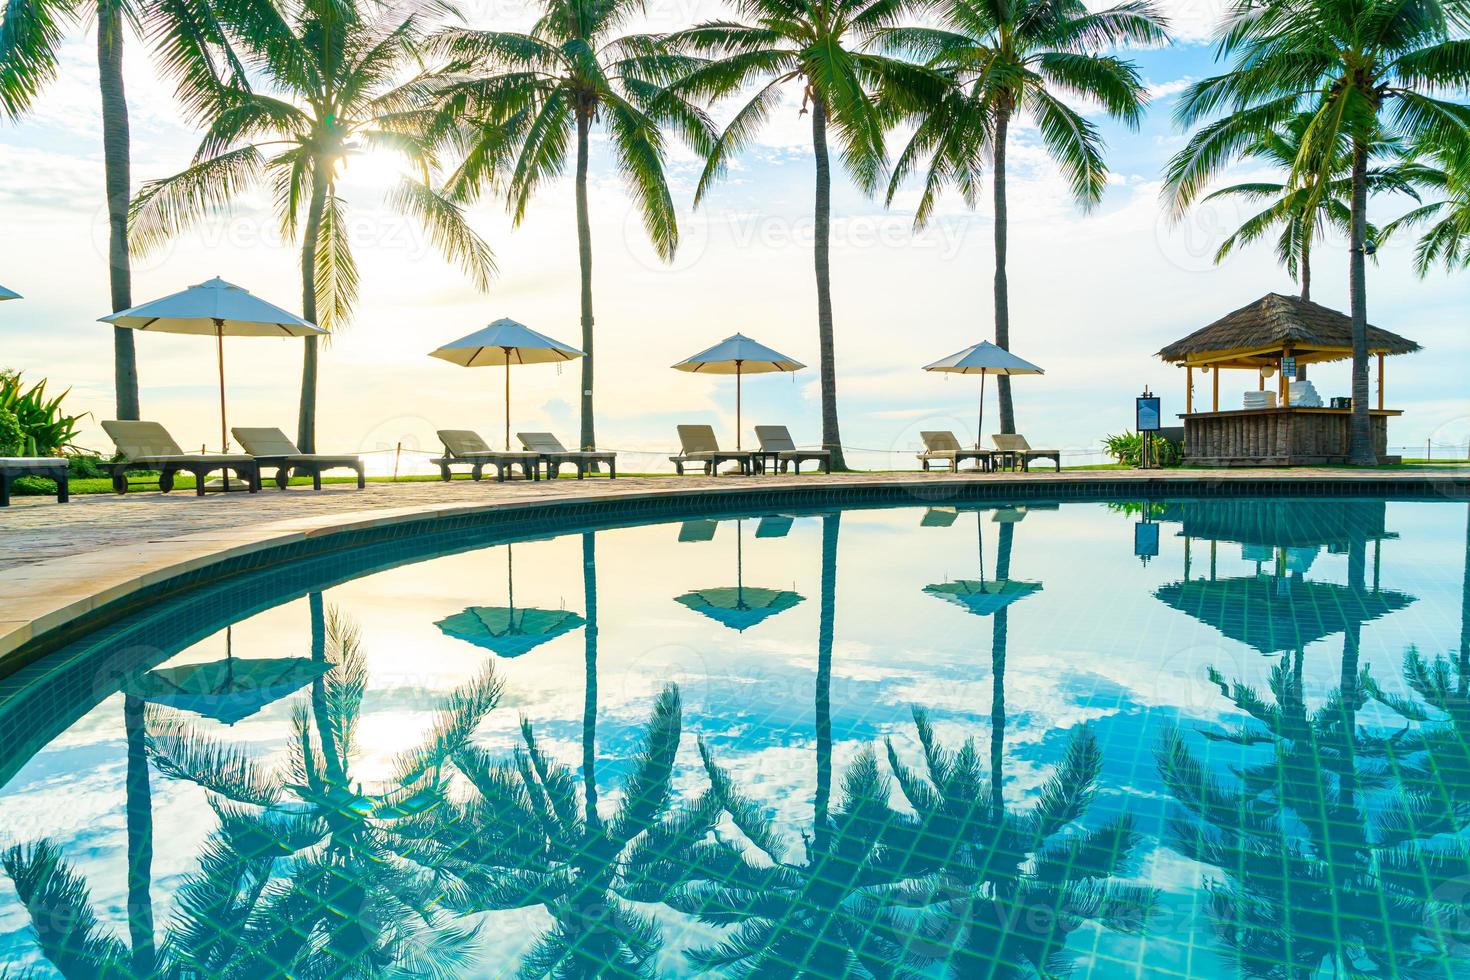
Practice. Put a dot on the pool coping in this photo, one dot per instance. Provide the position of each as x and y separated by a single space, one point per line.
49 603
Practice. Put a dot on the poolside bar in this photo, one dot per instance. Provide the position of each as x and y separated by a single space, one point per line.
1283 422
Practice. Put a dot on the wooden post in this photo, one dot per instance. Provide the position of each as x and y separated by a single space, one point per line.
1380 381
1283 384
1189 391
1260 380
1215 378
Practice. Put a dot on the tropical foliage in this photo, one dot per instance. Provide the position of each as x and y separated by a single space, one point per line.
45 428
344 79
1442 169
529 97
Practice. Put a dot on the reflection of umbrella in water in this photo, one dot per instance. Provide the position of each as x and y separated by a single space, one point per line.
506 630
227 690
742 606
979 596
1276 614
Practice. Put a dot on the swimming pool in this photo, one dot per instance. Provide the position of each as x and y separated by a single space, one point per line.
1193 738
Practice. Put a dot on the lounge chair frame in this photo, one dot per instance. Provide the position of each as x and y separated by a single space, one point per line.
943 447
698 446
52 467
777 445
460 450
293 463
1014 450
164 455
553 454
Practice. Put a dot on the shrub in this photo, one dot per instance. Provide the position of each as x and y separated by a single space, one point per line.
1127 449
46 430
11 436
83 466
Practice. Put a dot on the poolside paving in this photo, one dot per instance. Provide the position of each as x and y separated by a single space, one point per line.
58 562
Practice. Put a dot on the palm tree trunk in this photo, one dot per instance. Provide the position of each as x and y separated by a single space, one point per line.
139 818
118 179
584 257
1002 290
1360 448
999 634
831 525
831 437
589 699
1307 268
325 725
306 419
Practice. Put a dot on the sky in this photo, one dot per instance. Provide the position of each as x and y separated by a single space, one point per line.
1093 296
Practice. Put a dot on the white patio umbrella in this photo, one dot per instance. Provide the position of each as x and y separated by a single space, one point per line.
982 359
738 355
8 294
215 308
505 342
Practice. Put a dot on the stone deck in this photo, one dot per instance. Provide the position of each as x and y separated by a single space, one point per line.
59 562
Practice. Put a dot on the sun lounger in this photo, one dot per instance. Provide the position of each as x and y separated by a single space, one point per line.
697 445
53 467
943 447
776 442
271 447
1014 449
464 447
553 454
148 446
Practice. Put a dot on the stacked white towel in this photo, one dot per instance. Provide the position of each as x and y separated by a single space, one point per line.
1260 399
1304 394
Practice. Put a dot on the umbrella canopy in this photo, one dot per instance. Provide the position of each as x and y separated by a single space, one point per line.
738 355
227 690
506 630
503 343
982 359
8 294
980 597
1277 614
218 309
739 607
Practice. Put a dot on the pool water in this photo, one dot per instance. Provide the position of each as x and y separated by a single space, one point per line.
1172 739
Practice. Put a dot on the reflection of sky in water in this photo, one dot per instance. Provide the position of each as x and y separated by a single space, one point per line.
1093 645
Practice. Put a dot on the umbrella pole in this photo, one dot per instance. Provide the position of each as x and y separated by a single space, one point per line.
738 367
507 400
980 423
219 343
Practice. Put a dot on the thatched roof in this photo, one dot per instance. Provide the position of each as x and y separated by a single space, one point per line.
1273 322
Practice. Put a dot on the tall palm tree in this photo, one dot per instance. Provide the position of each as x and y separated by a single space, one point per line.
1005 59
1302 214
537 91
188 46
1366 70
824 46
349 78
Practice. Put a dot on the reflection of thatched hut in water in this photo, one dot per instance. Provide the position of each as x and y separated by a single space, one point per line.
1277 609
1278 428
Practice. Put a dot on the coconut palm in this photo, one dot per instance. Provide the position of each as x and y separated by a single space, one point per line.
300 844
826 49
1301 213
1443 170
1008 59
347 78
1366 70
538 91
187 46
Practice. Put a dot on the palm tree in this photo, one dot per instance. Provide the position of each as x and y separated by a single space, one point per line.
1302 214
826 48
537 90
188 46
1366 70
1444 170
1004 58
350 78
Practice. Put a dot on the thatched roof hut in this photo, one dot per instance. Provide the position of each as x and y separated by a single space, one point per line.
1256 335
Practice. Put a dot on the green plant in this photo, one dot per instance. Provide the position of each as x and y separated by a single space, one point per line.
1127 448
84 466
46 430
12 437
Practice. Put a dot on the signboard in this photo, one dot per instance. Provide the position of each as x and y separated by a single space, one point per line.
1146 540
1149 415
1288 367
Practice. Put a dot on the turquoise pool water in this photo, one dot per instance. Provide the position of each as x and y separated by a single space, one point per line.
1208 739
